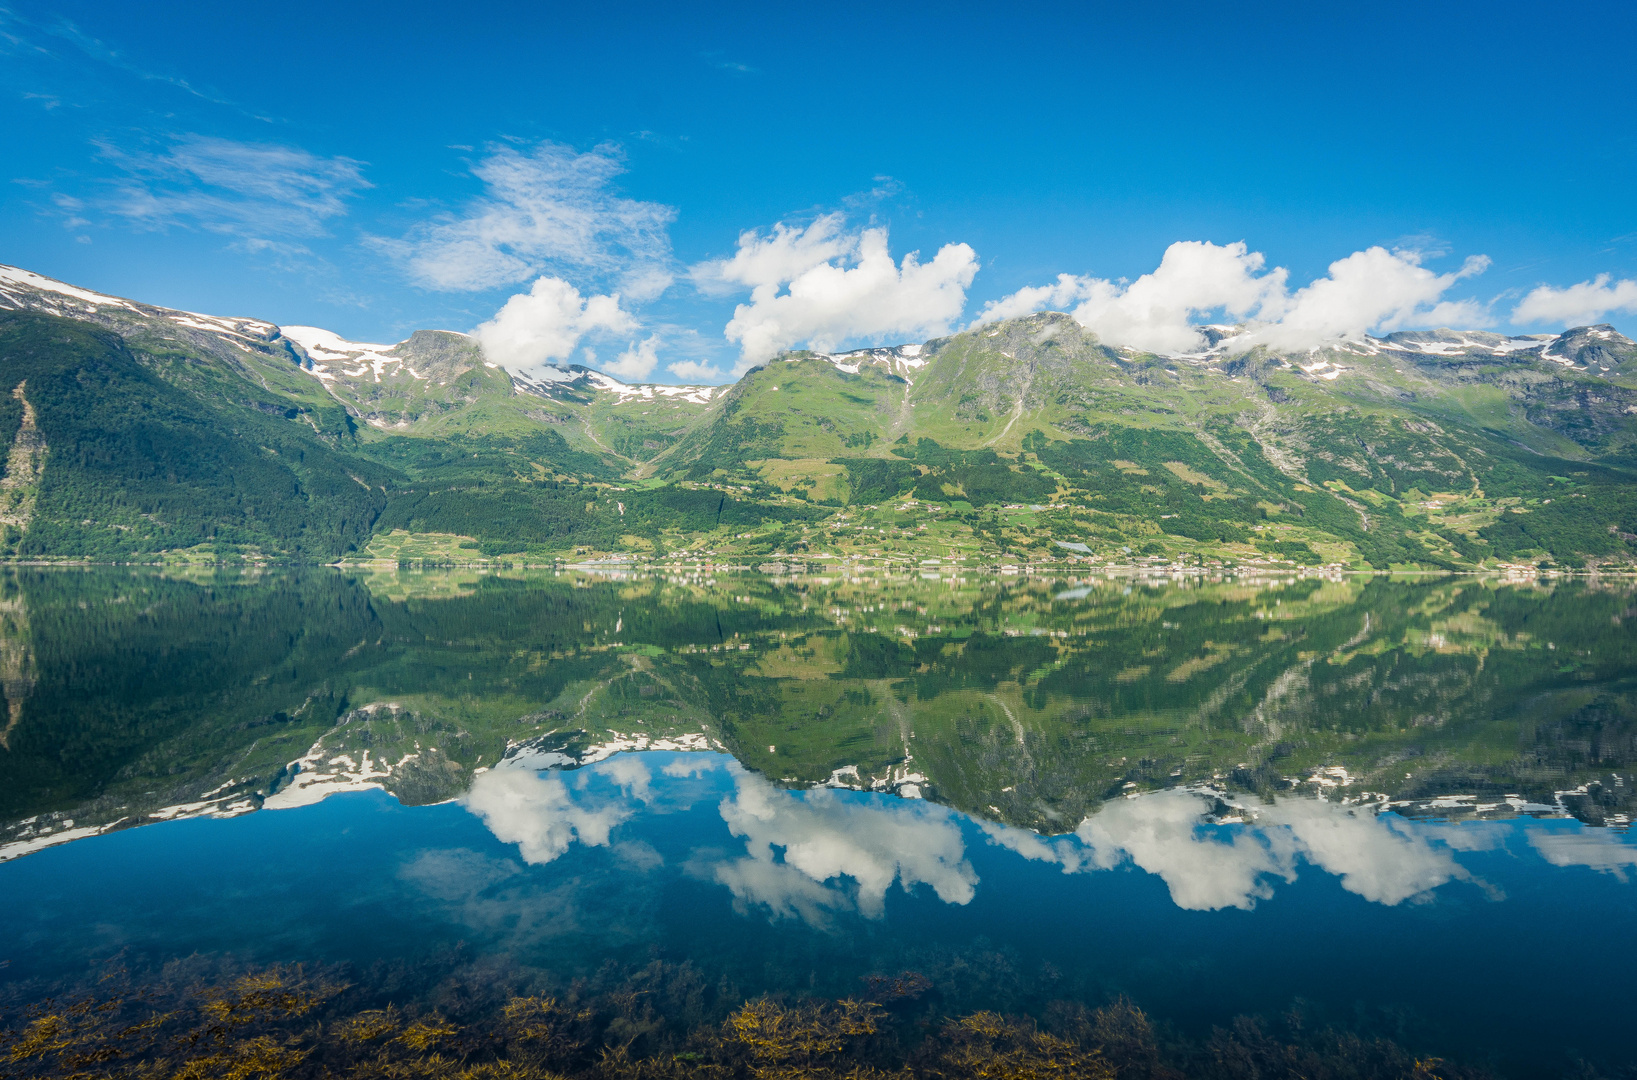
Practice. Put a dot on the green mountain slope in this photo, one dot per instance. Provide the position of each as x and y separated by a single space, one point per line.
1022 440
1438 449
134 461
165 431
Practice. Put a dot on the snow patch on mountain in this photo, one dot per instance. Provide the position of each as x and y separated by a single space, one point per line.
355 359
539 753
547 380
901 360
14 281
24 290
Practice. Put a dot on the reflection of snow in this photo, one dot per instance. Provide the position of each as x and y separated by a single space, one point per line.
825 836
536 812
318 777
1604 852
1382 858
534 754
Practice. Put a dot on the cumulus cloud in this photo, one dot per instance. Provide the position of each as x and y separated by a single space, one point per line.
783 890
1382 859
1068 291
689 765
1374 290
1371 290
1599 849
822 285
536 812
1579 304
631 775
1161 834
546 208
263 194
693 371
547 323
784 254
826 838
637 362
1156 311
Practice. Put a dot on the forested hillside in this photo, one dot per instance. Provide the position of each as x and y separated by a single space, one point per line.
137 431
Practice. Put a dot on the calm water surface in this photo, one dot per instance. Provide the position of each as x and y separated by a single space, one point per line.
1399 805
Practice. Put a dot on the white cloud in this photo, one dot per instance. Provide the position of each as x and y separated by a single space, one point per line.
1068 291
1156 311
688 765
547 323
836 286
254 191
1579 304
785 254
536 812
1193 277
1601 850
826 837
1371 290
1066 851
632 776
544 209
1383 859
1374 290
692 371
782 889
1160 834
636 363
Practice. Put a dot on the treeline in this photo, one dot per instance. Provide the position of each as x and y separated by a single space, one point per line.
515 517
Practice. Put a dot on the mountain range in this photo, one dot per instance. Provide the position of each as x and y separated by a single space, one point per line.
142 432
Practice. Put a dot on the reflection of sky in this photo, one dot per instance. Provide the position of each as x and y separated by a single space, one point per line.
808 855
1381 857
820 853
538 813
689 857
800 847
1600 850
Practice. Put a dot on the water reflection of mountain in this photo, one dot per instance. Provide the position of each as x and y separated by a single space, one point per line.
137 696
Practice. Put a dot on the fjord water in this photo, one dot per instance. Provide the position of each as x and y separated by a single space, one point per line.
1395 805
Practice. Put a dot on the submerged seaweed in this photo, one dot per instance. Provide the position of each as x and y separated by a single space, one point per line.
287 1023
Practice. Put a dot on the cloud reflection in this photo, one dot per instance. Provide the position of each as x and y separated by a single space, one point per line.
536 811
1381 858
802 851
1603 851
820 854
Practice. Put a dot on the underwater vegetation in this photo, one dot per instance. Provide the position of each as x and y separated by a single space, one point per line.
290 1023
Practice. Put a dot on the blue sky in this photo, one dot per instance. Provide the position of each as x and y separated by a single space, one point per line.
584 177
